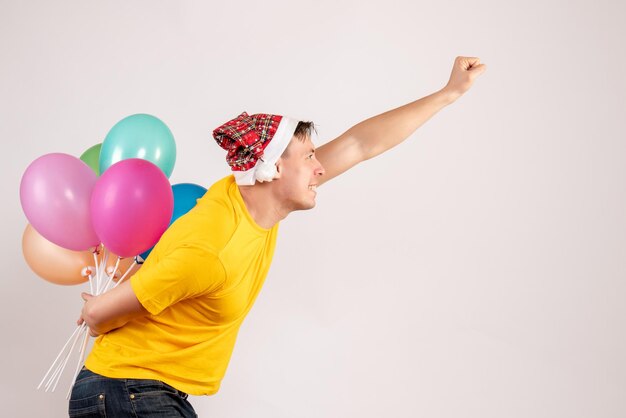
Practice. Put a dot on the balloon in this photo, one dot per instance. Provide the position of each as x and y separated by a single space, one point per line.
185 197
131 206
122 267
55 193
62 266
139 136
91 158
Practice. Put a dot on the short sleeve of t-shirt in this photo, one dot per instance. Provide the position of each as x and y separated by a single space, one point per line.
186 272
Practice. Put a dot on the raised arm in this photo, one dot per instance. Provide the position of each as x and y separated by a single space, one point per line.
380 133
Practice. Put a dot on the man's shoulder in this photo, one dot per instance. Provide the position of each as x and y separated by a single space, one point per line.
217 199
212 220
222 185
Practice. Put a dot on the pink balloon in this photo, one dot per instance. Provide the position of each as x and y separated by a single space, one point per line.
131 206
55 193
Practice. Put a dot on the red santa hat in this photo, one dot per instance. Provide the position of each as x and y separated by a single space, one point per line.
254 144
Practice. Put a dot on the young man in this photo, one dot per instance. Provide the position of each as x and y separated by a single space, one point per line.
171 329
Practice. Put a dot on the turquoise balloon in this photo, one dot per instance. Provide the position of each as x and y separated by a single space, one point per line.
139 136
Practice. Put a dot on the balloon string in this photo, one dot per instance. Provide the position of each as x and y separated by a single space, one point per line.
81 359
59 370
60 353
95 260
125 274
103 268
110 277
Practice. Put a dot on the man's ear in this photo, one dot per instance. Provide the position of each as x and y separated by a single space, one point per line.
279 168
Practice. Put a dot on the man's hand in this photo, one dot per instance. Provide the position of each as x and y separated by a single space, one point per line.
110 310
464 71
81 319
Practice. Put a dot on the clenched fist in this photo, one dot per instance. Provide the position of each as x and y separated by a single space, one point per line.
464 71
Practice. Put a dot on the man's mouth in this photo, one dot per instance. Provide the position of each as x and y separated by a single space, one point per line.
313 187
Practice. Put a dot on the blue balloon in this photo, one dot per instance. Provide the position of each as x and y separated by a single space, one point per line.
139 136
185 198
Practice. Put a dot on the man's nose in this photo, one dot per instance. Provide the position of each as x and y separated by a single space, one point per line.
320 170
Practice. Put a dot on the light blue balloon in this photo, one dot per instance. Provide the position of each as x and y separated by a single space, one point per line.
139 136
185 198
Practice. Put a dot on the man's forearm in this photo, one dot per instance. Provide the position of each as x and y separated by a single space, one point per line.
383 132
111 309
101 325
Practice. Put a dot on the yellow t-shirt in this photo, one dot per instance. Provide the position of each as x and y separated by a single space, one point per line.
198 284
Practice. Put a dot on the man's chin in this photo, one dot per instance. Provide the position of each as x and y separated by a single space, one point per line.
306 206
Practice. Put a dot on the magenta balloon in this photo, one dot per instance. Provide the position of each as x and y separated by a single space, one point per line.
55 193
131 205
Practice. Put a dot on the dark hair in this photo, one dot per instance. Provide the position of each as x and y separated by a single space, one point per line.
302 132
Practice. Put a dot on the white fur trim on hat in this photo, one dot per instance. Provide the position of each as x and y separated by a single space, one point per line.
265 169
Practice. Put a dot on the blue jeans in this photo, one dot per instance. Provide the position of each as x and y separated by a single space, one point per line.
94 395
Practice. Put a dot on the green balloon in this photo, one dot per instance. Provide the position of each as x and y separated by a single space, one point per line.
139 136
91 157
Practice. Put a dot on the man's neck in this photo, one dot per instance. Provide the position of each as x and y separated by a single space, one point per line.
262 205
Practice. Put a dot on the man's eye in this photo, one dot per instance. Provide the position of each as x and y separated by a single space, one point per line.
310 156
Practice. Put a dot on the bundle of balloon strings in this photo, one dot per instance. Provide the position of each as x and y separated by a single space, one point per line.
101 280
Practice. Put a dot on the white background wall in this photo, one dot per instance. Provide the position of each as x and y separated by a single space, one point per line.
476 270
